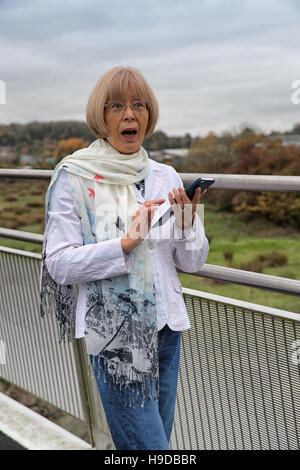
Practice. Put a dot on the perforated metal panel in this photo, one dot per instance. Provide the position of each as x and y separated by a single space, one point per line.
35 361
238 387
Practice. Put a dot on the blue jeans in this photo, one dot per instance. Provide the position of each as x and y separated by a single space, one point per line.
148 427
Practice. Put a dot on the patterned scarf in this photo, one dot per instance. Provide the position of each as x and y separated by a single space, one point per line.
120 321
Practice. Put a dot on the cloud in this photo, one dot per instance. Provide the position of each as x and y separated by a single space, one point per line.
212 64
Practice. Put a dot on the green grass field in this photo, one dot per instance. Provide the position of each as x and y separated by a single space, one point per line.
233 243
246 241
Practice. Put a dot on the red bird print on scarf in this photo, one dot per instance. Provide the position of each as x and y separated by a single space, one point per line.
99 177
92 192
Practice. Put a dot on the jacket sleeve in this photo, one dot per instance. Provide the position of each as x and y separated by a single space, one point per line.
190 246
68 260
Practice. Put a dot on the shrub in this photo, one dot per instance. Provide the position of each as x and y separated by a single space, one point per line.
266 260
30 219
209 237
36 192
10 198
35 204
228 255
269 158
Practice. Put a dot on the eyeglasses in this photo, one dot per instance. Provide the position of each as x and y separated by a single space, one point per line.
120 106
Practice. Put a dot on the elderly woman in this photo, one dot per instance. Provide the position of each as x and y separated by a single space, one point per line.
107 234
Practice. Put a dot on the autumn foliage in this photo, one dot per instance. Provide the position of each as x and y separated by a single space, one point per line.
68 146
259 156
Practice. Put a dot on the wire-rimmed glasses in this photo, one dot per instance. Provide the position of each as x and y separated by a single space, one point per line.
121 106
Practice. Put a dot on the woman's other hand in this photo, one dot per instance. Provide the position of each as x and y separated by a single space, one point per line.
140 224
184 208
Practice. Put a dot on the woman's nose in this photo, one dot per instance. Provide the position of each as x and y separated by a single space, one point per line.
129 113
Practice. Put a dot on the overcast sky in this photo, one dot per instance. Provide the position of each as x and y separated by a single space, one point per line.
213 64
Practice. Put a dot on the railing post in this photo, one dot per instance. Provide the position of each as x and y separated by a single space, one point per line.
95 416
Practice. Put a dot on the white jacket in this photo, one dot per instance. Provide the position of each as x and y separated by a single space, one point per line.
70 262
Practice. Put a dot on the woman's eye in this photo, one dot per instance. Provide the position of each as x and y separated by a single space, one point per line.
116 105
138 105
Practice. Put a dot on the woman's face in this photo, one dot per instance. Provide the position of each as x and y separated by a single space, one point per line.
126 142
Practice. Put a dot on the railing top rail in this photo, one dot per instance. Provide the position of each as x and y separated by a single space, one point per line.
21 235
26 174
15 251
249 278
223 181
221 273
247 182
244 305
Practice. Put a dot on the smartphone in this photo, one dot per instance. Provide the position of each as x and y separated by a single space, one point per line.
204 183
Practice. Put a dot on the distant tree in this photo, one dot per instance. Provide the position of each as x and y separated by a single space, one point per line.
246 146
246 128
295 129
211 154
157 141
204 147
65 147
187 141
227 139
268 158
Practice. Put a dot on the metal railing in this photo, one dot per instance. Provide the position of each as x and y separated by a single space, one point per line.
234 182
238 182
239 382
239 378
238 385
35 361
221 273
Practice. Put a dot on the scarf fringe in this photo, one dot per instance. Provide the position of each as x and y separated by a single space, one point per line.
61 300
133 393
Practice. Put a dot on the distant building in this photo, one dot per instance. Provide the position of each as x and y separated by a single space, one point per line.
51 160
7 154
26 159
287 139
173 155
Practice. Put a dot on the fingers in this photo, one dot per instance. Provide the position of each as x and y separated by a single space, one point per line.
142 220
180 197
142 211
154 202
151 207
145 209
197 195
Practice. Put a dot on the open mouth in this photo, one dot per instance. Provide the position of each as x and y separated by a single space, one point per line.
129 132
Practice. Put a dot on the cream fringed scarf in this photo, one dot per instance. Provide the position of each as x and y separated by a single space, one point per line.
120 322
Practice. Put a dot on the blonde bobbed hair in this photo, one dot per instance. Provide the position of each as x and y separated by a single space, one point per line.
113 85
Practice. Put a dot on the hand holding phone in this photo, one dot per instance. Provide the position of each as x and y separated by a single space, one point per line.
203 183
